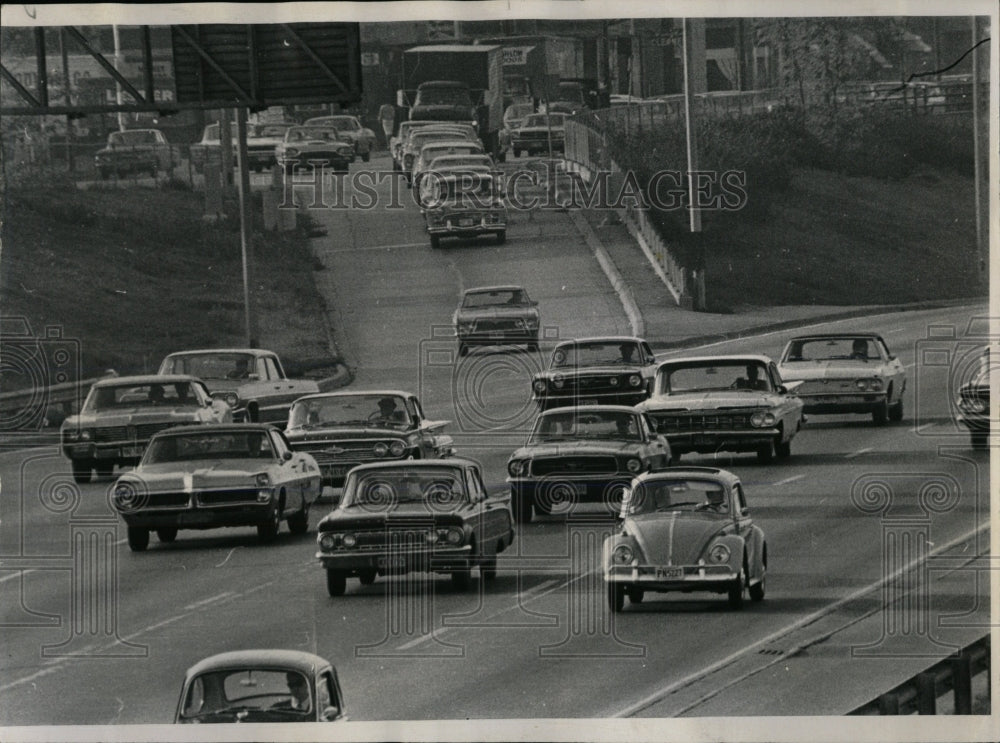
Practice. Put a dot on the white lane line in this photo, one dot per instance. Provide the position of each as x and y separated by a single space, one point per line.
368 248
787 480
662 694
210 600
858 453
32 677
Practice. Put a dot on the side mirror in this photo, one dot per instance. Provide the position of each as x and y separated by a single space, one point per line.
286 456
330 714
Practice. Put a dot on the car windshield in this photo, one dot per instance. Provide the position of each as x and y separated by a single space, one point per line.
267 130
430 152
597 353
443 96
712 376
676 495
420 137
128 139
224 693
831 349
519 110
581 423
496 298
387 411
153 394
436 486
555 120
340 123
212 445
306 133
210 365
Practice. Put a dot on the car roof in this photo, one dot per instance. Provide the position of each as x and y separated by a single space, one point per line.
820 336
216 428
602 339
145 379
354 393
724 358
591 408
452 462
451 143
497 288
298 660
688 471
252 351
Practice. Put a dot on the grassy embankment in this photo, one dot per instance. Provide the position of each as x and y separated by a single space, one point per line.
134 274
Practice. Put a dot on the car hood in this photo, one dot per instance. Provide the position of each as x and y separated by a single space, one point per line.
201 474
720 400
323 434
674 537
581 371
576 448
133 417
399 514
494 312
835 369
442 112
304 386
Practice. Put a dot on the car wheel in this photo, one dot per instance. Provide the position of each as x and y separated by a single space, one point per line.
523 509
636 595
104 469
736 592
783 449
757 590
881 414
367 577
82 470
978 439
616 597
298 522
138 538
488 567
896 411
501 237
268 531
366 156
765 452
166 534
517 152
336 582
435 241
461 578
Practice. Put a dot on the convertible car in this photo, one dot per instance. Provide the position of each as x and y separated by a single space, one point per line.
205 477
261 686
344 429
709 404
121 414
687 529
588 371
845 373
582 455
432 515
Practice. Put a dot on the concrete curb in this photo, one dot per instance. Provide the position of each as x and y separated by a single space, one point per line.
618 283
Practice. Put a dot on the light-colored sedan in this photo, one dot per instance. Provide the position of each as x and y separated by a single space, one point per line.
350 128
845 373
436 149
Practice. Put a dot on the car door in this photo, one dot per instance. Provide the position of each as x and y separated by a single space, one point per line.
744 527
293 475
649 365
894 372
657 445
789 410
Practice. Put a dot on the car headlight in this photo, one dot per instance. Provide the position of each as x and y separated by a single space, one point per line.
455 536
633 464
465 327
380 449
71 434
719 553
124 494
262 480
613 381
538 386
761 419
432 537
622 555
291 152
327 542
634 380
532 322
349 540
558 382
231 399
972 405
517 467
86 435
875 385
396 448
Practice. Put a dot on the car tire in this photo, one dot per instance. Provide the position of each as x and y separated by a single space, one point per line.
880 415
367 577
523 509
517 152
366 156
82 470
461 578
336 582
783 449
616 597
636 595
104 469
138 538
766 452
979 440
896 411
166 534
757 590
488 567
268 531
435 242
298 522
736 592
501 237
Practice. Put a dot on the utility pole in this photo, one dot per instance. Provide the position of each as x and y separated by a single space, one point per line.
245 219
66 97
118 67
692 158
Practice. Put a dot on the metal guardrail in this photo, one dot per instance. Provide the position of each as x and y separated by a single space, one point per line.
920 693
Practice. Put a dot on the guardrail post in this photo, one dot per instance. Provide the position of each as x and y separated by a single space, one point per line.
961 682
888 704
926 693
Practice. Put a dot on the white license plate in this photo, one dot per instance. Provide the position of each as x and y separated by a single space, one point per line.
467 222
669 573
496 334
588 401
391 562
131 451
335 471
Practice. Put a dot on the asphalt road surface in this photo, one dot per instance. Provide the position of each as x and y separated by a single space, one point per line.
94 634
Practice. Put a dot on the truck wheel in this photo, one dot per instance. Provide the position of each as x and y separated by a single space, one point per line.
501 237
81 470
336 582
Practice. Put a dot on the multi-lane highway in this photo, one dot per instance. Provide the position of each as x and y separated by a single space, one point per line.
106 637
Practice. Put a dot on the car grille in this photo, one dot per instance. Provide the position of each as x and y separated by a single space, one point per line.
596 384
353 451
168 500
391 538
499 324
684 423
831 386
574 466
130 433
226 497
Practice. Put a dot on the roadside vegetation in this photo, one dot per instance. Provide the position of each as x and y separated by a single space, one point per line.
134 274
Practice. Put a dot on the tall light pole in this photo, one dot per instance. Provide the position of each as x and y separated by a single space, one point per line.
118 67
